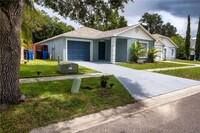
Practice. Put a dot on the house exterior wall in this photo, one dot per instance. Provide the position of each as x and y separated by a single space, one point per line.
169 53
96 49
136 33
166 42
129 44
121 50
59 44
108 50
168 46
159 46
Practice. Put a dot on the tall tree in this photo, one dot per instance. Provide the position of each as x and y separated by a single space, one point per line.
49 28
11 14
180 41
197 45
152 22
187 39
168 30
114 21
155 25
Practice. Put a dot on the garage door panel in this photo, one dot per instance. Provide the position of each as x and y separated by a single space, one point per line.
78 50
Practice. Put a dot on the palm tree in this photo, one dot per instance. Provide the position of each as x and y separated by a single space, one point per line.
137 51
152 54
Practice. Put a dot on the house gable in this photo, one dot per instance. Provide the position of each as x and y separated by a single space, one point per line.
166 42
136 32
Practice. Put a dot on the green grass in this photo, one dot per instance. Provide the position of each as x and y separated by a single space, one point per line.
52 102
47 67
150 65
190 73
188 61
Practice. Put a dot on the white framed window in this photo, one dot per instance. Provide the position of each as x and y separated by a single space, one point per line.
145 46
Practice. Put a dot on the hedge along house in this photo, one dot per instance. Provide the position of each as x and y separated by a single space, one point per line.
166 46
87 44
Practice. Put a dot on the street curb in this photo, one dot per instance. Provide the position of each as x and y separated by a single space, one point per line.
92 120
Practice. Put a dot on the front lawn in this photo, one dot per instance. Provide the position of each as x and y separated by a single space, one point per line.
190 73
51 102
187 61
150 65
47 67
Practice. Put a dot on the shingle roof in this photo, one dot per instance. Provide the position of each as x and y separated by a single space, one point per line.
84 32
89 33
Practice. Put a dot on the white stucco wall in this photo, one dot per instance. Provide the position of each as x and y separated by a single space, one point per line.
136 33
168 45
60 46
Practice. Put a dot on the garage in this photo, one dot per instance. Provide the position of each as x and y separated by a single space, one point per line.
78 51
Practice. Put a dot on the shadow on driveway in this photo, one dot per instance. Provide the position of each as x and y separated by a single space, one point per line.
135 89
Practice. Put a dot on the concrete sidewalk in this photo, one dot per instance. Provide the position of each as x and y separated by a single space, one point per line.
183 63
41 79
172 68
92 120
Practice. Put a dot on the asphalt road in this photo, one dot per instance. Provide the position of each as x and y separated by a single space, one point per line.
182 116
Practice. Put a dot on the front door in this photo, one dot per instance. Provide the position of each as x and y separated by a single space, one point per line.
102 49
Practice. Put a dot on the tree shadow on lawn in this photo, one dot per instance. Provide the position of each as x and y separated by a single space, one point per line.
51 102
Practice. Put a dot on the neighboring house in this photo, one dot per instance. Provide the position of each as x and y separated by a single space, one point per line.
166 46
192 46
88 44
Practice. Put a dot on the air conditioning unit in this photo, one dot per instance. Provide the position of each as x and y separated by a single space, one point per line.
68 68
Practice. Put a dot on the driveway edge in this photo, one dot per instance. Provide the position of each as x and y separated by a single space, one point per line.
92 120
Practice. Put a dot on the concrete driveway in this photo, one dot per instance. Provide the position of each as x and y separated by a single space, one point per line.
142 84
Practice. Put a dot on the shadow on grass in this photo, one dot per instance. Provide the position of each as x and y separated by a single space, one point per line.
51 102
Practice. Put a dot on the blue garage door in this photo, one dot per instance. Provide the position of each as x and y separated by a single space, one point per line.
79 51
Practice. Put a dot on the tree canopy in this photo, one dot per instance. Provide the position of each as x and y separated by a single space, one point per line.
38 25
155 25
114 21
180 41
86 12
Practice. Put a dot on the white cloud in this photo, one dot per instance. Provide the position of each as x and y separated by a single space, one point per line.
179 22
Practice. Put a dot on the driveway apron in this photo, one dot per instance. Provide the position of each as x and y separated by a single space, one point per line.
142 84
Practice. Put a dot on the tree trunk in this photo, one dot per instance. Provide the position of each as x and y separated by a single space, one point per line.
11 14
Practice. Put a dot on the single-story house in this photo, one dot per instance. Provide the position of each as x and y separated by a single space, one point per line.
166 46
87 44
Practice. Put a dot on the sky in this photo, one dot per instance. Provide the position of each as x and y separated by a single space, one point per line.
173 11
